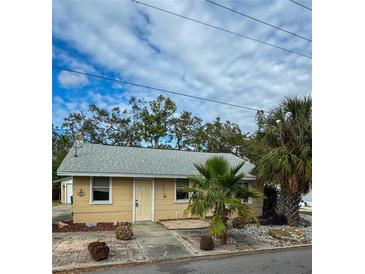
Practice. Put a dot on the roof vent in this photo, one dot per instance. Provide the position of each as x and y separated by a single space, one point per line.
79 142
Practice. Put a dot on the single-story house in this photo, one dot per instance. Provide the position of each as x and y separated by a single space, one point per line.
66 189
118 183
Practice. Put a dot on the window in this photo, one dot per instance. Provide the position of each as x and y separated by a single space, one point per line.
244 198
180 194
100 190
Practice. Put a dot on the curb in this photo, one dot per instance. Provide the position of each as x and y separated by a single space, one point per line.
95 266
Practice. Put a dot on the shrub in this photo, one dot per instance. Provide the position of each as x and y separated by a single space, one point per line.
271 196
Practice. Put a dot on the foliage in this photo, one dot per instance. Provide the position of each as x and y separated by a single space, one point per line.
183 130
215 191
287 134
221 137
153 121
157 124
60 146
271 192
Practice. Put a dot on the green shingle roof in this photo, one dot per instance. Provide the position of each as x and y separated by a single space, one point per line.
105 160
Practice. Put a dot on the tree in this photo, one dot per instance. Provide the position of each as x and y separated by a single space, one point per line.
121 131
183 130
153 121
253 147
221 137
287 134
215 190
102 126
60 145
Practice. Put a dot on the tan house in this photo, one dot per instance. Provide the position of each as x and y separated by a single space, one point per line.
117 183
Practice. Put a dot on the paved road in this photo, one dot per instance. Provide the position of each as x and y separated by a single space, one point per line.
284 262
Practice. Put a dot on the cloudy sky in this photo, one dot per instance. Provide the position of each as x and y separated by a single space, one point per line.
124 40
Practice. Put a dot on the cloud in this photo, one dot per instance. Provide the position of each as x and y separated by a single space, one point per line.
71 80
149 47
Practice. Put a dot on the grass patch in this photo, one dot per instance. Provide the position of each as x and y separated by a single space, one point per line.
56 202
306 212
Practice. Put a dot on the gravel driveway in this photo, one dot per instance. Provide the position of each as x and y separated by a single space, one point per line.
61 212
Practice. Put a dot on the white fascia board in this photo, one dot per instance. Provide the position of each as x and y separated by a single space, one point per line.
129 175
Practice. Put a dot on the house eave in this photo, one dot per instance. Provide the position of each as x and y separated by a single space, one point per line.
130 175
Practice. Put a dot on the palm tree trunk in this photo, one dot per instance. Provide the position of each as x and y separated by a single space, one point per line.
293 209
288 205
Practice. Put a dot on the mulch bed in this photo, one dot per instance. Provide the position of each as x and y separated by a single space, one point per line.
81 227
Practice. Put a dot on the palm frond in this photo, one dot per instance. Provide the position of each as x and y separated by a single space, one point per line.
217 227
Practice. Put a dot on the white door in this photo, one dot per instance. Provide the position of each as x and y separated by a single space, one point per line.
68 193
143 200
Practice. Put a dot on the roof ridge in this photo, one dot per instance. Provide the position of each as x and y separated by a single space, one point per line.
166 149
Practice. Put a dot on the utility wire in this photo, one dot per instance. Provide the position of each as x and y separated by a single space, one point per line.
258 20
222 29
158 89
300 4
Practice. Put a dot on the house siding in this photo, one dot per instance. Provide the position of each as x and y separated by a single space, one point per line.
165 205
121 209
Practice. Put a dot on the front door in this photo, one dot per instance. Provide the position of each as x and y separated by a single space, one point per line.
68 193
143 200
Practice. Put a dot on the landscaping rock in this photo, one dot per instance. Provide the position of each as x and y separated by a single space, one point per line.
261 233
124 231
238 222
206 243
61 224
98 250
287 233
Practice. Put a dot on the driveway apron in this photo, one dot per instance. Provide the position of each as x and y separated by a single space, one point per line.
156 242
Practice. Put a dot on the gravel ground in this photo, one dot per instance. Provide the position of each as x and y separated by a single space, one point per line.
260 233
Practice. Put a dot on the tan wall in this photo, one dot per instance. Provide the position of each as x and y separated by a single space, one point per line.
119 210
121 207
166 207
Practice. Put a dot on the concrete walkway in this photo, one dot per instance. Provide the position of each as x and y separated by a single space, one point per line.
157 242
61 212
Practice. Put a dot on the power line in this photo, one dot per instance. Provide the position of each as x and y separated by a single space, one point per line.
300 4
154 88
258 20
225 30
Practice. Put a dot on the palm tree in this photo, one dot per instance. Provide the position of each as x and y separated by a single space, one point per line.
216 191
287 133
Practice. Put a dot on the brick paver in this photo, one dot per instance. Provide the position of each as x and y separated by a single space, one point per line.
70 249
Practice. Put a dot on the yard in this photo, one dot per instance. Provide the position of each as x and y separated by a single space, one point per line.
56 202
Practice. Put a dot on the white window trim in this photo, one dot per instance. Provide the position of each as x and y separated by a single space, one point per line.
101 202
185 201
249 200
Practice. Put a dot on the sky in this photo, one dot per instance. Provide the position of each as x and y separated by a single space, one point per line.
131 42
